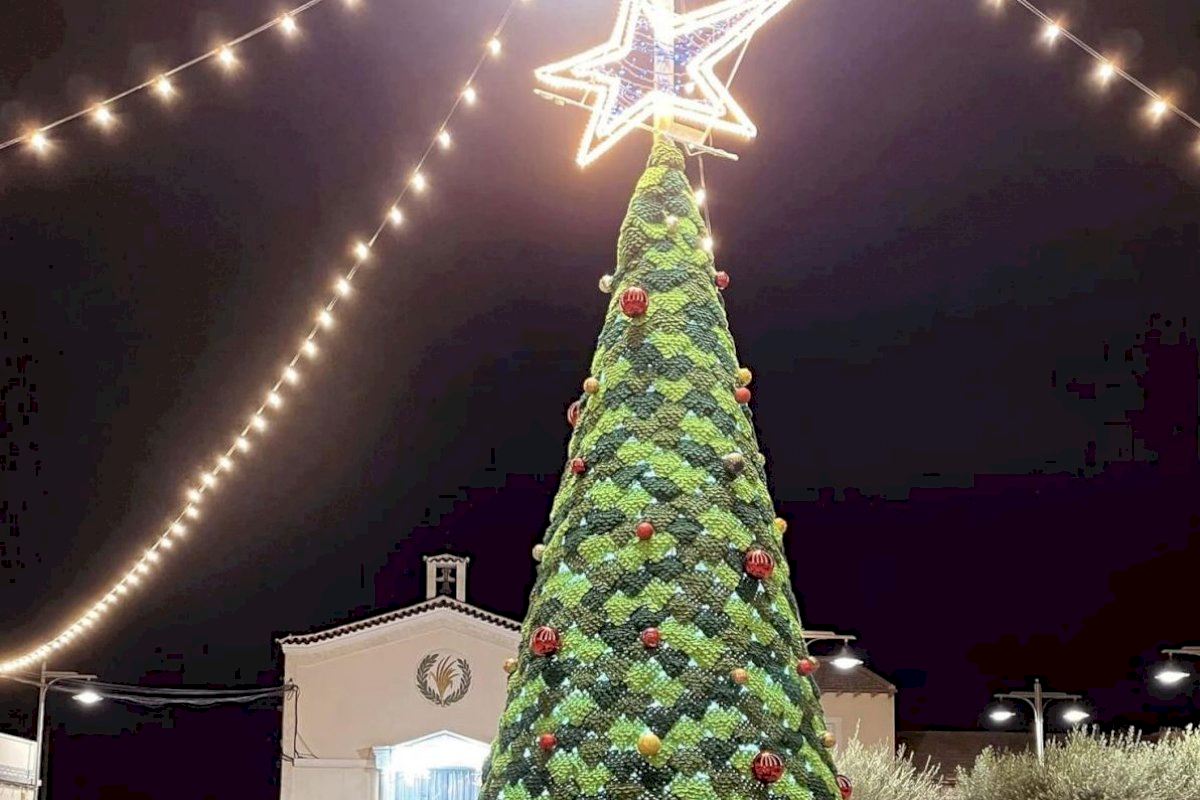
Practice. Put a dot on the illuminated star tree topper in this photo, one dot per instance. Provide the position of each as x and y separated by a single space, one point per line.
657 72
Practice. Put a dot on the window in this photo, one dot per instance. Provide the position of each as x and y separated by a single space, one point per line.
441 766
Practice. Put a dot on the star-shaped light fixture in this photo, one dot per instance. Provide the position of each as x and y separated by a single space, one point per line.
658 67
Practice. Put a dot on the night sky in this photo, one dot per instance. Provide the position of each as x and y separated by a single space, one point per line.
937 236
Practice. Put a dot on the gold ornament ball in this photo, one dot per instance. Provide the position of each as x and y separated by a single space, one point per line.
745 376
739 676
510 665
829 740
538 551
781 525
591 385
649 744
606 283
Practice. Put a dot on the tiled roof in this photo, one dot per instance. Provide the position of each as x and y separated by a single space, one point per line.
946 751
404 613
859 680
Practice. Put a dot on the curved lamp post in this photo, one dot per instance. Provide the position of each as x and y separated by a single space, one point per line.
1173 672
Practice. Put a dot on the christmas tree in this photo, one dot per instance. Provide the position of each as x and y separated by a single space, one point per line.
662 656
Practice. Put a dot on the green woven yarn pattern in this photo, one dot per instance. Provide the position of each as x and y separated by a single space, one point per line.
653 437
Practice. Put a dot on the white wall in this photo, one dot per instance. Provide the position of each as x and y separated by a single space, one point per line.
359 691
873 716
16 764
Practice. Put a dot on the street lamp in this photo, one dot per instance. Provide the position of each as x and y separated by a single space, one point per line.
1172 672
46 679
845 659
1038 701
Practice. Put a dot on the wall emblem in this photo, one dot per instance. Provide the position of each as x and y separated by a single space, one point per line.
443 678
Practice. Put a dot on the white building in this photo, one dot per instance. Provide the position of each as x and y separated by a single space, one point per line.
17 761
404 705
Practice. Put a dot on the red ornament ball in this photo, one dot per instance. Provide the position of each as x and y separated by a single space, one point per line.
806 666
651 638
742 395
634 301
845 787
722 280
573 412
578 466
545 641
759 563
644 531
547 741
768 767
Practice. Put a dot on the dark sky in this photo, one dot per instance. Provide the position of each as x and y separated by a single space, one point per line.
936 216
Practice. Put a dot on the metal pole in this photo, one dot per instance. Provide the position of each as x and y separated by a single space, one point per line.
39 746
1039 721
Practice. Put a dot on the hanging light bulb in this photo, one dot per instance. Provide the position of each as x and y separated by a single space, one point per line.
274 400
701 196
494 46
469 95
1105 72
242 444
258 423
419 184
287 24
191 512
325 318
343 287
291 375
208 479
395 216
309 348
1052 32
443 139
225 463
178 529
103 116
164 88
1158 109
194 495
39 142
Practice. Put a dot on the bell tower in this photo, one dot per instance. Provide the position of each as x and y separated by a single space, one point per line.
446 576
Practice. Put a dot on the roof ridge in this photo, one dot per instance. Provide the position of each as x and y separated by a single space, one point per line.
383 618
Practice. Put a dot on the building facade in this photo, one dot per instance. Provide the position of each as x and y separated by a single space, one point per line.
404 705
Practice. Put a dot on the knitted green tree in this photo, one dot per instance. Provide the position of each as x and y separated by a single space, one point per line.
662 656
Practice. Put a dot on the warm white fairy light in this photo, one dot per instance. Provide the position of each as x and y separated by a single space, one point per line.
226 58
103 116
1105 72
257 423
443 139
707 243
164 88
701 196
1051 32
1158 109
494 46
287 24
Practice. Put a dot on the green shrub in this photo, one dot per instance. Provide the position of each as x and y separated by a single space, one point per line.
1088 765
880 774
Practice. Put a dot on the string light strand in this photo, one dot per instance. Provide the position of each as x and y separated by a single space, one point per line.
288 379
1106 68
37 138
